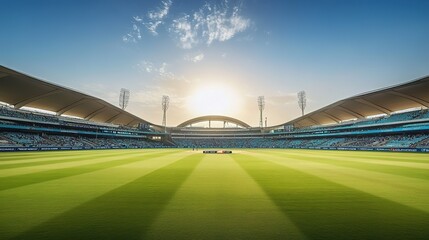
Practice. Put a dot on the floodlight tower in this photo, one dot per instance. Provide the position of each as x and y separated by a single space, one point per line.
302 101
124 98
261 105
165 105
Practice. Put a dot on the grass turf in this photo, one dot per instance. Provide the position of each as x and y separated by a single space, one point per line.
181 194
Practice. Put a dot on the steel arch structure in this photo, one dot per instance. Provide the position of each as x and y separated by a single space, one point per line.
214 118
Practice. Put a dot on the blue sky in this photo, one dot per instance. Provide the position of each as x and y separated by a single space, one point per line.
331 49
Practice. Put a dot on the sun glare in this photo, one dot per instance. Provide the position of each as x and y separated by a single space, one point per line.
213 100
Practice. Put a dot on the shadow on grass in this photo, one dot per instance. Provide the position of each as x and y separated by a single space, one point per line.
326 210
406 171
43 176
124 213
69 158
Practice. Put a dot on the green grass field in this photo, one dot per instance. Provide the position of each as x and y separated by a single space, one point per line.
180 194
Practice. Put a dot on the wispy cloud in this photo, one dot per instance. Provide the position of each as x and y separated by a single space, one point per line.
194 58
155 18
209 24
160 71
133 35
146 66
151 22
185 31
161 12
137 19
167 82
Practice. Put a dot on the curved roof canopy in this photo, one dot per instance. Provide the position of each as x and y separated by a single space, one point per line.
214 118
388 100
21 90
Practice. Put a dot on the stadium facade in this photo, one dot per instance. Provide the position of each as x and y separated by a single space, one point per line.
402 123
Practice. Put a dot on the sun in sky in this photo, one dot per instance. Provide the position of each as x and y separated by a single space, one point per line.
213 99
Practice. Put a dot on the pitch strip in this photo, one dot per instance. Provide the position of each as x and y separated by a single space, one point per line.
217 151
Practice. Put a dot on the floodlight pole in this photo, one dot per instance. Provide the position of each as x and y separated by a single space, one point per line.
261 106
165 105
302 101
124 98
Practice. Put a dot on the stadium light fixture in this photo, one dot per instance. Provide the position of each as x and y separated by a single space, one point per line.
124 98
261 106
165 105
302 101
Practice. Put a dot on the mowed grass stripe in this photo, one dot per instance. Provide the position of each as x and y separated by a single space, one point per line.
124 213
49 199
20 154
56 159
391 156
411 192
412 170
325 210
220 201
363 159
53 155
45 167
48 175
6 157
